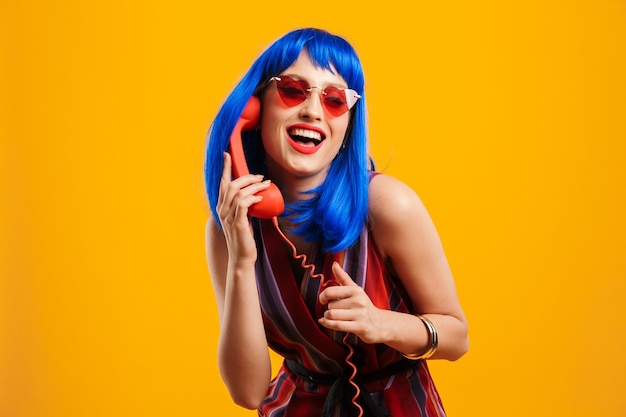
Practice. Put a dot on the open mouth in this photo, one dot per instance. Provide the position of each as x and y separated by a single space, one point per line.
306 137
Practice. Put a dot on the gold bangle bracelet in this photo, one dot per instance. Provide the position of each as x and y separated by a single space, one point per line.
433 341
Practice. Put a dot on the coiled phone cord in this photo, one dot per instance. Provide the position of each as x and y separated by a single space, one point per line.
323 285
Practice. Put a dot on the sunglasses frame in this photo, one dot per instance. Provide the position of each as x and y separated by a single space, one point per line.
351 95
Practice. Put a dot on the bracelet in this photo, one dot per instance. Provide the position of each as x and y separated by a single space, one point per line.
433 338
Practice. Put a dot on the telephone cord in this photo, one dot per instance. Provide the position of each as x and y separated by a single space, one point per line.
323 283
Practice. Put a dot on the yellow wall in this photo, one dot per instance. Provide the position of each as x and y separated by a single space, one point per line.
508 118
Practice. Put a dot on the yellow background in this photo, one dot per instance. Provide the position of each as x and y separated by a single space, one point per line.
508 118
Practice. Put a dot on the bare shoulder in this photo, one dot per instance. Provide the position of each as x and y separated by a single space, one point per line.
395 210
391 199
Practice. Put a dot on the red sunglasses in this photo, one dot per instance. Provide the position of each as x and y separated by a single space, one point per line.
336 100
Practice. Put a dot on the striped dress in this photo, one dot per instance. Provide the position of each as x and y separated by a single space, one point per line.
290 307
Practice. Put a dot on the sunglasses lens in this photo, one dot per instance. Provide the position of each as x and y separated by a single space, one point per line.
335 101
293 92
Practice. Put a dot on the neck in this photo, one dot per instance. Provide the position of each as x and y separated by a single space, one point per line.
294 188
302 246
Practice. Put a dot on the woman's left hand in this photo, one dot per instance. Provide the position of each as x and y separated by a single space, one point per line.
351 310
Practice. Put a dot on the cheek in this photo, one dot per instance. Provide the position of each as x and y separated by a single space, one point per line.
269 125
340 127
272 112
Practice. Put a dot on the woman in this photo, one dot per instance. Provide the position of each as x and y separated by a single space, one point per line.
375 297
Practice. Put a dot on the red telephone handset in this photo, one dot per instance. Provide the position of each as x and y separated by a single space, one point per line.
272 204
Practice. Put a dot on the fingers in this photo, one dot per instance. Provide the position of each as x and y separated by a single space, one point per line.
336 315
345 287
354 314
339 325
228 168
341 276
336 294
352 300
345 320
236 196
349 308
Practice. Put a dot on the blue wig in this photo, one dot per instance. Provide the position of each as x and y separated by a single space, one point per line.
336 211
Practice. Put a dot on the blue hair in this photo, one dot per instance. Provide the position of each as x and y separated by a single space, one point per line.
336 211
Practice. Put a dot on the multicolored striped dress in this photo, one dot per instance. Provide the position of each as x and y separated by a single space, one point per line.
389 383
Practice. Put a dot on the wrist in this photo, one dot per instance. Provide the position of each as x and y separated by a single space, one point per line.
433 341
242 268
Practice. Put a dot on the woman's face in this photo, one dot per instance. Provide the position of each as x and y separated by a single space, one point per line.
301 141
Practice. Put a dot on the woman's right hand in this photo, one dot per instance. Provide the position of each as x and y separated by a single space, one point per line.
243 358
235 198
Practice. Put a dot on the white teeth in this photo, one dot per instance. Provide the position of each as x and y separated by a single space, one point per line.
305 133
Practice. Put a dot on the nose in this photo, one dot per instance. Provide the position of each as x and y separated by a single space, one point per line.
312 106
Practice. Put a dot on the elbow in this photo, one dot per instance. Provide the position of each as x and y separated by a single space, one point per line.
247 397
246 401
246 388
461 347
460 350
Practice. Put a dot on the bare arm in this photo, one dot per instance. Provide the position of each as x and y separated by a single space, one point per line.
243 356
410 245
